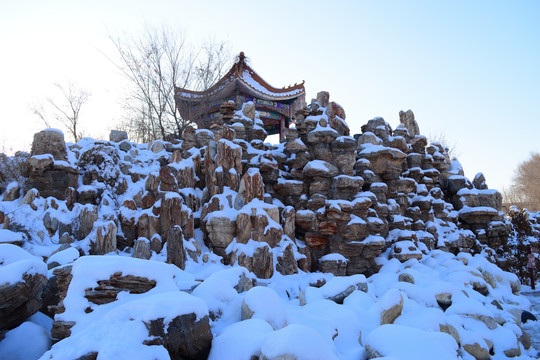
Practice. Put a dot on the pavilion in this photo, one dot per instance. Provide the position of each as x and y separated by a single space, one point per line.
241 84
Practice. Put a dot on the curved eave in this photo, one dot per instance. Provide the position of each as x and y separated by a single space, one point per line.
265 96
252 83
248 75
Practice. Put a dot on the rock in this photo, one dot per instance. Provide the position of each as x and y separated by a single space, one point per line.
87 218
450 330
117 135
20 296
513 352
293 342
479 182
50 141
406 277
516 286
286 263
261 263
105 239
526 316
263 303
251 187
289 218
323 97
175 247
477 351
392 305
125 146
12 191
319 168
407 119
385 162
525 339
444 300
142 249
248 346
108 289
185 337
221 230
404 342
249 110
157 146
334 264
29 198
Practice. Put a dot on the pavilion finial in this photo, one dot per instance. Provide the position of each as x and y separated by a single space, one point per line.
241 57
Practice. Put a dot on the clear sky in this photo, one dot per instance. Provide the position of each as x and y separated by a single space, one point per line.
469 70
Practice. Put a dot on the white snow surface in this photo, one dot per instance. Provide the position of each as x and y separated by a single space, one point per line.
16 262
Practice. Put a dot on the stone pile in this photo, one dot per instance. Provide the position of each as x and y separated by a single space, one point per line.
321 200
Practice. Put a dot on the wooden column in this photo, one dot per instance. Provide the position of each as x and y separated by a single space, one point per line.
281 128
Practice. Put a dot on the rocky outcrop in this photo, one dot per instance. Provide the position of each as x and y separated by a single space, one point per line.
321 200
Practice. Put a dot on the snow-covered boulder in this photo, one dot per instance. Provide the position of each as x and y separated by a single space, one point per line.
263 303
22 278
296 342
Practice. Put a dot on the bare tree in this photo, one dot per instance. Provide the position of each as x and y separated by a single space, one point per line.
451 147
65 108
154 65
525 189
40 112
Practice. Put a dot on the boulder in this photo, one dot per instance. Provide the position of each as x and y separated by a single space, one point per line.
142 249
22 278
105 239
117 136
50 141
407 119
293 342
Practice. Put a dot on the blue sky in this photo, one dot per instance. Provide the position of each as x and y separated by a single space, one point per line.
468 69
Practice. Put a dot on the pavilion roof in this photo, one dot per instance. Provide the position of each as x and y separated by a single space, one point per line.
243 76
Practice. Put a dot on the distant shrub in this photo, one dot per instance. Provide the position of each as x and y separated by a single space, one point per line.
13 168
525 234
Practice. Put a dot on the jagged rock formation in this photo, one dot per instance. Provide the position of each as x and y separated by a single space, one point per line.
322 200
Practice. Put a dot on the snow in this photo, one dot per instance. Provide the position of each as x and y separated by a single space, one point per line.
317 165
16 262
16 344
240 341
334 257
55 130
87 270
297 341
64 257
407 343
265 304
8 236
248 78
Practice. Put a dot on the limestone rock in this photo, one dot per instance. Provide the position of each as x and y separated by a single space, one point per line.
185 337
175 247
105 239
21 297
477 351
286 263
261 263
221 230
385 162
334 264
320 168
390 313
12 191
407 119
117 136
142 249
50 141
